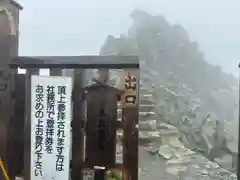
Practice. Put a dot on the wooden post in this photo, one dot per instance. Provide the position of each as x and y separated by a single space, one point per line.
77 125
56 72
9 20
19 114
27 123
130 122
238 158
103 75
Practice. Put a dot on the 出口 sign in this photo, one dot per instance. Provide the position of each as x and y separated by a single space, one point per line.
130 86
50 127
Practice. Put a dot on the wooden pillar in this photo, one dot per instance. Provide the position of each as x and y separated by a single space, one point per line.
19 108
56 72
27 123
9 20
77 125
103 75
130 122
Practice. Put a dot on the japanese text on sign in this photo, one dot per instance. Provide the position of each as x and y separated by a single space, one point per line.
39 115
50 127
130 86
50 119
60 127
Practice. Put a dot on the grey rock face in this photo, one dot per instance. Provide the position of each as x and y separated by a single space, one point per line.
167 157
168 152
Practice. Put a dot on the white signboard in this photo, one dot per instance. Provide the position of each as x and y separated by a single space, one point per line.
50 127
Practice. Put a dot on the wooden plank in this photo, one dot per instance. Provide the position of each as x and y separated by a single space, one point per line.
5 50
19 107
6 129
27 123
130 125
18 5
56 72
72 62
77 128
8 49
103 75
101 125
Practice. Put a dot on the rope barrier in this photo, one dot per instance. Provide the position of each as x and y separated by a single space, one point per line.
4 170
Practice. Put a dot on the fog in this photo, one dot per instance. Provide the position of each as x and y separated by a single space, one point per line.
47 26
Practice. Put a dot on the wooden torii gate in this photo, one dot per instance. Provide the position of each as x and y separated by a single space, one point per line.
94 98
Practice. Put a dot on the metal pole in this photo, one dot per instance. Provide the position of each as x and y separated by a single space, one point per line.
238 160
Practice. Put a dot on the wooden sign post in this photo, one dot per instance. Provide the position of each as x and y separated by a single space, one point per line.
101 125
9 21
130 99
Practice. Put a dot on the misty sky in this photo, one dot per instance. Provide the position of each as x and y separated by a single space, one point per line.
79 27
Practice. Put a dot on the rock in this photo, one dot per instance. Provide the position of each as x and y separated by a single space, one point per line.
167 127
207 132
226 162
176 169
192 166
148 125
175 142
166 151
232 146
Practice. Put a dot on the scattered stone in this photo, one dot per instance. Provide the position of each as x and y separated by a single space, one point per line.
166 151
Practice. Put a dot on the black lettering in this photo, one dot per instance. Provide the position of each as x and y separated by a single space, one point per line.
130 82
130 99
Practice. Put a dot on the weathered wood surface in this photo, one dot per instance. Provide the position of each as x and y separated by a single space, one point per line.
74 62
9 20
97 97
6 123
130 123
101 117
19 109
77 126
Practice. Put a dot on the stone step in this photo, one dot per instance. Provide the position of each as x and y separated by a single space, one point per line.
145 101
142 108
147 125
145 91
146 137
142 101
146 95
146 107
144 115
149 134
147 113
144 134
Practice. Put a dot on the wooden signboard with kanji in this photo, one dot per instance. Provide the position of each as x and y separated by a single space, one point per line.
101 125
